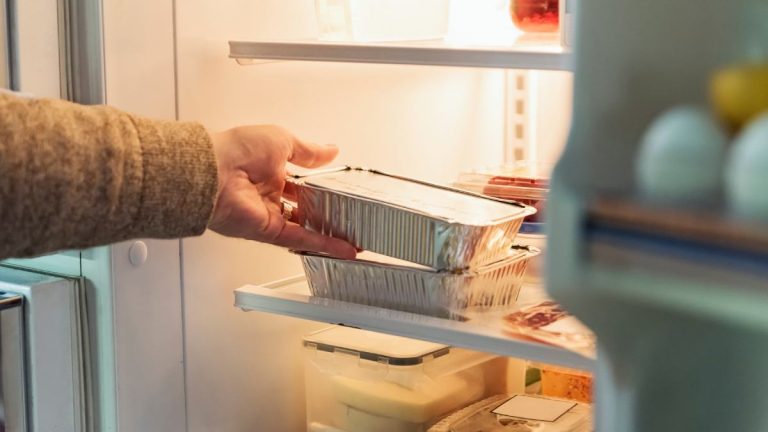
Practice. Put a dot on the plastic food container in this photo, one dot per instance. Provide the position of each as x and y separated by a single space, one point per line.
566 383
535 16
382 20
380 281
358 381
527 185
423 223
519 412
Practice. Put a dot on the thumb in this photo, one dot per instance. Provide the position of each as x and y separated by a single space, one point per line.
310 155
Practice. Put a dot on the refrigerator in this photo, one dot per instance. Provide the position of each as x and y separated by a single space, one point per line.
204 334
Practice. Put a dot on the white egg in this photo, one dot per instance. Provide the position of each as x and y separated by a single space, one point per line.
746 173
681 157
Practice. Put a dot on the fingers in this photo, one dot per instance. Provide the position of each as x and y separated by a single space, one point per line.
295 215
289 192
309 155
295 237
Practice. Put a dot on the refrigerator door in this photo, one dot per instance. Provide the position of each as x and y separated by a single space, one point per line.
6 39
13 402
679 322
55 353
53 49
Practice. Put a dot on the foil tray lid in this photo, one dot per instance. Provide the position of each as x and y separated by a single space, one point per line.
368 345
436 201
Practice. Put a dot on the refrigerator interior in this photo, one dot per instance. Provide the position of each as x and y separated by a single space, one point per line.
170 351
243 370
192 361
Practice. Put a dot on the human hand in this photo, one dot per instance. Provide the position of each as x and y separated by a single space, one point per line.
251 163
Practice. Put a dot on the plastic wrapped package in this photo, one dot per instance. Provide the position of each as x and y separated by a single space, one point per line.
432 225
549 322
364 381
380 281
518 413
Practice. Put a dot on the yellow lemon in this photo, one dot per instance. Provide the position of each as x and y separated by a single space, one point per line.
740 93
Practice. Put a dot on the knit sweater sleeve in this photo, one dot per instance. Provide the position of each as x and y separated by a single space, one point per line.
75 176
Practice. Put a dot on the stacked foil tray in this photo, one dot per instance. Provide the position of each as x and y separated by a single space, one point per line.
458 246
418 289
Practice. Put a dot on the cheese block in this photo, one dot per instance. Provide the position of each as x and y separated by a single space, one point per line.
424 402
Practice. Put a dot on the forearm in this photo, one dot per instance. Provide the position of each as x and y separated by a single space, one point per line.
74 177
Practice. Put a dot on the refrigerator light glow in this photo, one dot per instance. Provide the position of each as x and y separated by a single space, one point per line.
481 22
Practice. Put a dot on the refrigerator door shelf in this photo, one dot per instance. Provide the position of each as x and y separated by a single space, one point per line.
710 228
291 297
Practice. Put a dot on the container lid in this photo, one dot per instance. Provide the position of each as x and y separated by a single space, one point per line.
506 192
436 201
396 350
529 174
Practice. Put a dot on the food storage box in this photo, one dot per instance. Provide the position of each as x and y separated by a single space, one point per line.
519 413
432 225
376 280
527 184
359 381
382 20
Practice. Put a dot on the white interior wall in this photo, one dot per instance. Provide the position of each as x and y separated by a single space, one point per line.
141 369
550 120
243 369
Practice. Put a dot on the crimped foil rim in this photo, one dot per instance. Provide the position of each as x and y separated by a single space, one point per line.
524 210
524 253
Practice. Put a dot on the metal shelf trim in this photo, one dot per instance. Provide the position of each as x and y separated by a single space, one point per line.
540 57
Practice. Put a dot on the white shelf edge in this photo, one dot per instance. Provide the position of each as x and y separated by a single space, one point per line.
545 57
274 300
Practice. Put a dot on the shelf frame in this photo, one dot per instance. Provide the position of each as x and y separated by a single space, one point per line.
538 57
278 298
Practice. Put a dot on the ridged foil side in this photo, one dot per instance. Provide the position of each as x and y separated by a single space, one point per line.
441 294
402 234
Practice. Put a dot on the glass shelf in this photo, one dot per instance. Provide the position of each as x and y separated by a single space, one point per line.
542 53
291 297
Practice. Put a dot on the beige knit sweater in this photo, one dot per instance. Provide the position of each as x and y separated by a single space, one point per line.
73 176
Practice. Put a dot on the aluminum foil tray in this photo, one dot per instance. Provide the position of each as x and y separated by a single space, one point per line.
384 282
424 223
